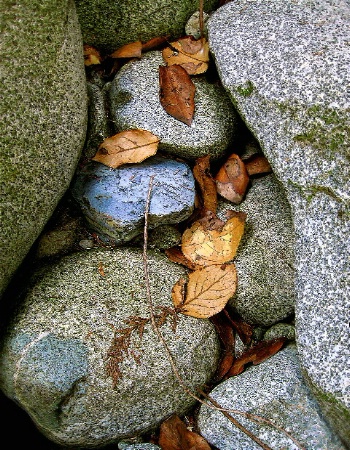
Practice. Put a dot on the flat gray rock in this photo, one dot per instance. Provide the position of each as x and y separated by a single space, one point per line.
275 390
43 113
286 67
62 354
265 258
134 102
114 200
108 25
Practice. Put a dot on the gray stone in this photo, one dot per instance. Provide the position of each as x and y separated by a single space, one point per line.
192 27
286 67
275 390
278 330
43 113
143 446
264 261
59 355
114 200
134 99
108 25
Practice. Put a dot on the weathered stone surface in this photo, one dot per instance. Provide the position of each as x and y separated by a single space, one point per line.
265 258
108 25
43 113
134 100
281 329
54 355
285 65
275 390
114 200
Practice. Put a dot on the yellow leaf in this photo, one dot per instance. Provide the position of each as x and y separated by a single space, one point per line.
191 54
205 245
131 146
208 291
91 56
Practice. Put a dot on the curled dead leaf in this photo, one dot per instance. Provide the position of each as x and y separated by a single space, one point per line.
257 354
126 147
192 54
91 56
154 43
175 255
257 164
207 291
232 179
174 435
132 50
201 172
177 93
209 242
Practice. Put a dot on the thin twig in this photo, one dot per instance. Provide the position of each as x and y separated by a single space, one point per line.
201 19
171 359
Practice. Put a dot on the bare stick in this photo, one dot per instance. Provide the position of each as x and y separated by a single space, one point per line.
213 404
201 19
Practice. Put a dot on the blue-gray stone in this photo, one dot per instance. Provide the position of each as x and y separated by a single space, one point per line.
114 200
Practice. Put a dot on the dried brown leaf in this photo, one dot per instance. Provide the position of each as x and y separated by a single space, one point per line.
132 50
192 54
154 43
232 179
91 56
225 330
177 93
174 435
131 146
205 246
244 329
201 172
175 255
207 291
257 164
257 354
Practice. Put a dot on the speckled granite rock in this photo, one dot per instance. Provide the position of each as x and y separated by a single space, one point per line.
285 65
281 329
134 100
55 355
265 258
43 113
114 200
108 25
275 390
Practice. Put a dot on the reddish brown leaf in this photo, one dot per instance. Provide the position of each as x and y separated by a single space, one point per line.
244 330
174 435
207 185
154 43
257 354
175 255
132 50
225 330
224 366
257 164
177 93
232 179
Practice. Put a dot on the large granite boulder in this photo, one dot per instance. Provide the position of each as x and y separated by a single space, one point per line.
285 65
109 24
43 112
81 357
275 390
